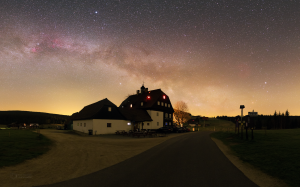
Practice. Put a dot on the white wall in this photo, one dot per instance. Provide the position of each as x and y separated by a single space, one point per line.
155 118
100 125
78 125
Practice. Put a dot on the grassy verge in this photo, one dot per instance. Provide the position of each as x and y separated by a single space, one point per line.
213 124
19 145
276 153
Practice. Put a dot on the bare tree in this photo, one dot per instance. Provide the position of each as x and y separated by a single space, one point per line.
181 114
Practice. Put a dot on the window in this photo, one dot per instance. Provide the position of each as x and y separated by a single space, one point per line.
130 105
80 124
77 124
128 123
169 105
166 115
142 103
148 124
164 97
109 109
166 123
170 115
108 124
84 124
166 104
162 103
157 123
158 103
157 114
148 97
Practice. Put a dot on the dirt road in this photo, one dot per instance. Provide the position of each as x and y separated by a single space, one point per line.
74 156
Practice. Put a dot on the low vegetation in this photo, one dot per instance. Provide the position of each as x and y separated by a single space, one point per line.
213 124
20 145
275 152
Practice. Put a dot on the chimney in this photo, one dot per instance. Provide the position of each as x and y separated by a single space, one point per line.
137 92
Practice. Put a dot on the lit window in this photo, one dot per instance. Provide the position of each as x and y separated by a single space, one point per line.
170 115
166 104
166 115
162 103
157 123
109 109
157 113
142 103
130 105
164 97
128 123
148 97
158 103
169 105
108 124
166 123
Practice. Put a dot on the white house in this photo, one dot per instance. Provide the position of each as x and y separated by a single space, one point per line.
144 110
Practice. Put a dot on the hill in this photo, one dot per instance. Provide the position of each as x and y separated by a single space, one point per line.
15 116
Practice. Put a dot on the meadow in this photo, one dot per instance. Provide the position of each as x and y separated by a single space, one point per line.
20 145
214 124
275 152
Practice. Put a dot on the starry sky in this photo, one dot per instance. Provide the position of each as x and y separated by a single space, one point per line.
57 56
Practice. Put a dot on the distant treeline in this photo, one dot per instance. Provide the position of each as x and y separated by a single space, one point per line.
9 117
276 121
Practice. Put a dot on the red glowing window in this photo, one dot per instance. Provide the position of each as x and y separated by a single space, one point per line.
148 97
164 97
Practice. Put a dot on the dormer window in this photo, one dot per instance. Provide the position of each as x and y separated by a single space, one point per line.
158 103
148 97
164 97
109 109
142 103
130 105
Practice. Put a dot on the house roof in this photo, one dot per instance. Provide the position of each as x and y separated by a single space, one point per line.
92 111
149 100
136 115
99 110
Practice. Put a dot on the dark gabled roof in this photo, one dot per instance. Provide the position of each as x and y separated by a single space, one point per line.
151 103
98 110
136 115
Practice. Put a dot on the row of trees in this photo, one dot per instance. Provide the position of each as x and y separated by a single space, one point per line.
275 121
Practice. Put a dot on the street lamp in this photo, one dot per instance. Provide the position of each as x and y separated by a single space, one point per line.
242 107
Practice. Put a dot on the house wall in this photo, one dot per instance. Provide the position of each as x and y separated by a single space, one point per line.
155 118
78 125
100 125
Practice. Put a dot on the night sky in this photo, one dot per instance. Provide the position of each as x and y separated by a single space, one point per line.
58 56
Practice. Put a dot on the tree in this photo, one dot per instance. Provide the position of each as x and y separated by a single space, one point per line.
287 119
181 114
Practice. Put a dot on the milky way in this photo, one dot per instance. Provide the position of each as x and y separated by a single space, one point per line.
59 56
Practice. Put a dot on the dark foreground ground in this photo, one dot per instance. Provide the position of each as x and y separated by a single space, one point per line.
191 160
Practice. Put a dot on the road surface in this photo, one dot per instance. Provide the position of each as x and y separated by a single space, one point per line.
190 160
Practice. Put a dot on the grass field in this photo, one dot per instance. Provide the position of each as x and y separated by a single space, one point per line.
213 124
276 153
20 145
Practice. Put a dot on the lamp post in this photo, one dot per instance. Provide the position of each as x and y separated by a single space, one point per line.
242 107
